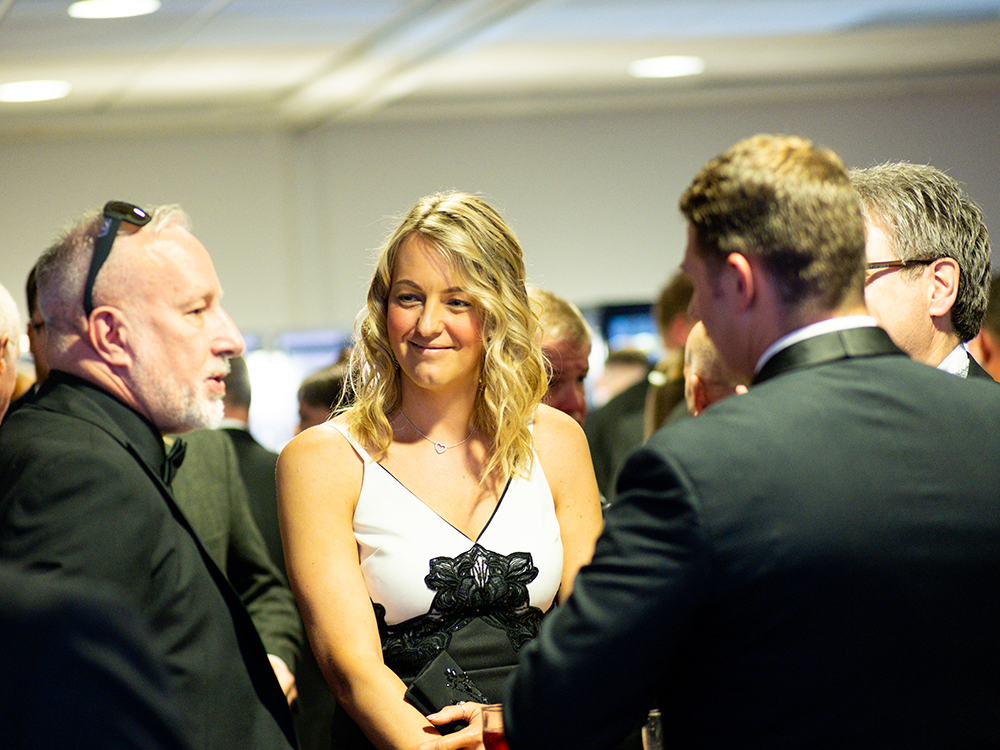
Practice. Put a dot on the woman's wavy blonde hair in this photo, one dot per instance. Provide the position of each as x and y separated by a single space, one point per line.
482 250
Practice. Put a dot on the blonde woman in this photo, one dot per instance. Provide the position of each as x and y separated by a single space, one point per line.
446 509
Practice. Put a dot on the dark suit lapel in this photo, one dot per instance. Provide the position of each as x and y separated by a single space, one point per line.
828 347
976 370
90 409
256 659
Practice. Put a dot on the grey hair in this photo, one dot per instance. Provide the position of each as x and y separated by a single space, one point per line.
926 216
560 320
62 273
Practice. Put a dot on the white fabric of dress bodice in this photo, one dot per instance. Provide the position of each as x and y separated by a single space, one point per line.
398 535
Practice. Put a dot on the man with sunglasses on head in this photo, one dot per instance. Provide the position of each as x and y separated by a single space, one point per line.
928 253
138 346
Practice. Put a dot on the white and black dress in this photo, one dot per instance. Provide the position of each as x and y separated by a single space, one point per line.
435 589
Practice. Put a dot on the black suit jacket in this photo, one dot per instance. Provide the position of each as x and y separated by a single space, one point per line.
614 431
209 489
257 465
82 496
815 564
976 370
313 712
78 672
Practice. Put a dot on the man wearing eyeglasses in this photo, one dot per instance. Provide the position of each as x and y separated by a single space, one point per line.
138 345
928 263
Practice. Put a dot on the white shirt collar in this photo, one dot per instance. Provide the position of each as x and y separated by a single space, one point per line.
230 423
956 363
829 325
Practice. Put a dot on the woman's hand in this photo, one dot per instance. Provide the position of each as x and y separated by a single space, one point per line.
471 737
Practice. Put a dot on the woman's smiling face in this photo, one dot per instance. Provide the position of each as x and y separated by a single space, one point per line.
434 324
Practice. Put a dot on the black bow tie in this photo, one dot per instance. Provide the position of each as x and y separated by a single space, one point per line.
175 457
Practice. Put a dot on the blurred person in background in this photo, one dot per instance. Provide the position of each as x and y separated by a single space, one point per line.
618 427
10 348
985 347
622 368
566 348
320 392
36 340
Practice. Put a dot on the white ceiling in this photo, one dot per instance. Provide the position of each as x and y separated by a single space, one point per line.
303 64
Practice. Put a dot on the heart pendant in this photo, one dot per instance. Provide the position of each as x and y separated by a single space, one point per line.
440 447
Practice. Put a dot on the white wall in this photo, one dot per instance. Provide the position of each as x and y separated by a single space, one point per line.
291 220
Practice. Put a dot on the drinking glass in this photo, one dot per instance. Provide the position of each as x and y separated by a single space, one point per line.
652 732
493 737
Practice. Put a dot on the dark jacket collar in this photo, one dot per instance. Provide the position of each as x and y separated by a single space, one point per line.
828 347
976 370
70 394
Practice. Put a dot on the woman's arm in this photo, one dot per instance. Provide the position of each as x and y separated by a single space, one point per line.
565 457
319 479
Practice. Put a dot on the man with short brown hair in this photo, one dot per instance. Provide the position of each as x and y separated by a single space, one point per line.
813 564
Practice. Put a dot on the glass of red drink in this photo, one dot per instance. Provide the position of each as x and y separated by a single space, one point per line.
493 737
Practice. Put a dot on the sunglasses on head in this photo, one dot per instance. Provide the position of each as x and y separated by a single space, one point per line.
115 212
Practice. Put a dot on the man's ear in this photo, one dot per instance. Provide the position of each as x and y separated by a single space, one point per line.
699 395
740 275
109 336
944 287
4 343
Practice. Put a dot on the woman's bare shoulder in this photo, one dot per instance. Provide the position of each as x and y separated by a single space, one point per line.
553 428
321 453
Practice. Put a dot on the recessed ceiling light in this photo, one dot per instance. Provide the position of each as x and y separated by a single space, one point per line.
113 8
671 66
34 91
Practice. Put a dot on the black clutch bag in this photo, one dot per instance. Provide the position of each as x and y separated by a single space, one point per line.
443 683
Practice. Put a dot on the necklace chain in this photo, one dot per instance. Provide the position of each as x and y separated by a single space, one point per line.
438 446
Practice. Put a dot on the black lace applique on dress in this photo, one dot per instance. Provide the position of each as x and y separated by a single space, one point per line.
478 583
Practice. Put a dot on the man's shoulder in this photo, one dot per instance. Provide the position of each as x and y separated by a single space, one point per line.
48 448
976 371
38 426
208 442
247 445
70 402
630 401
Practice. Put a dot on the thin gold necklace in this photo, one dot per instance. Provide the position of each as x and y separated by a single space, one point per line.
439 447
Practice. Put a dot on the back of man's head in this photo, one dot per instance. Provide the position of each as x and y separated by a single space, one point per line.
670 311
238 391
31 290
706 377
789 204
323 391
10 336
559 319
926 215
